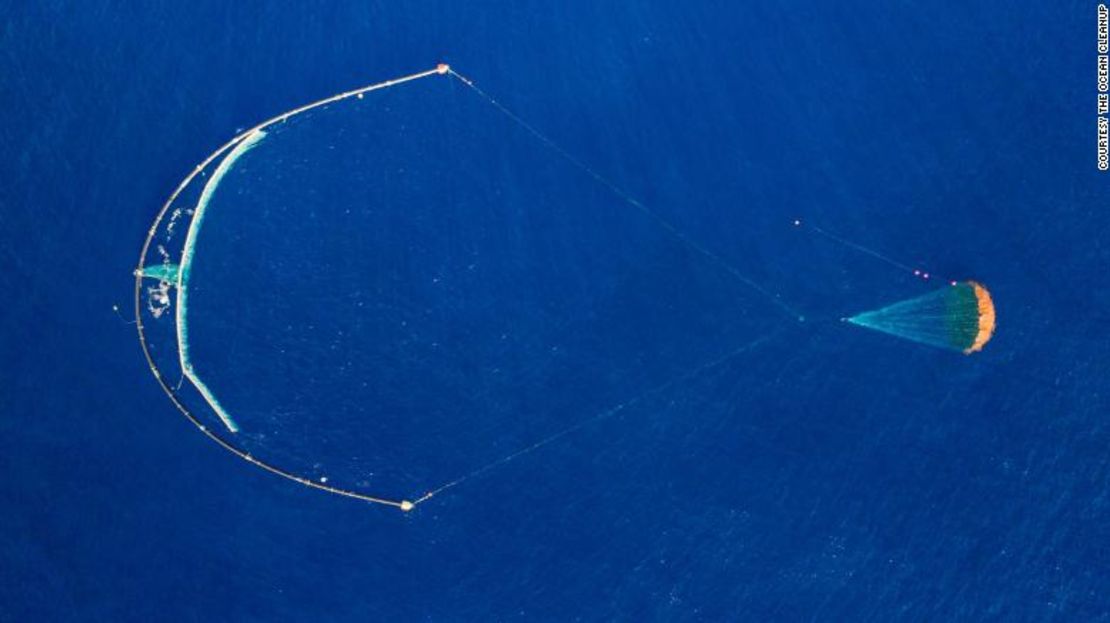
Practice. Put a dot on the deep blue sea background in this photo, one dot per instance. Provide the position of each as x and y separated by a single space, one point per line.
829 475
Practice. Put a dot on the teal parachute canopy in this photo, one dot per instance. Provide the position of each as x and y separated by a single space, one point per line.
957 317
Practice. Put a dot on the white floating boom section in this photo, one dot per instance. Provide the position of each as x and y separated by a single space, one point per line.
248 141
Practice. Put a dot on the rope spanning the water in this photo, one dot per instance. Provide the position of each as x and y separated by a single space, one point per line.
604 415
632 201
920 273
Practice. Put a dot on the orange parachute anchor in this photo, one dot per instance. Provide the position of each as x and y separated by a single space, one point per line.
958 317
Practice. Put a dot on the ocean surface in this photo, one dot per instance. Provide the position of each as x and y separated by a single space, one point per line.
568 302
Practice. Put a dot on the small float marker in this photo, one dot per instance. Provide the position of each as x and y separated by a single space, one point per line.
406 505
442 68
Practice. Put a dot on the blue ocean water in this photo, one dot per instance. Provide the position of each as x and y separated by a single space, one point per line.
830 474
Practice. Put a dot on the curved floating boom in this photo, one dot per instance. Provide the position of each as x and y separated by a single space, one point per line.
958 317
177 275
